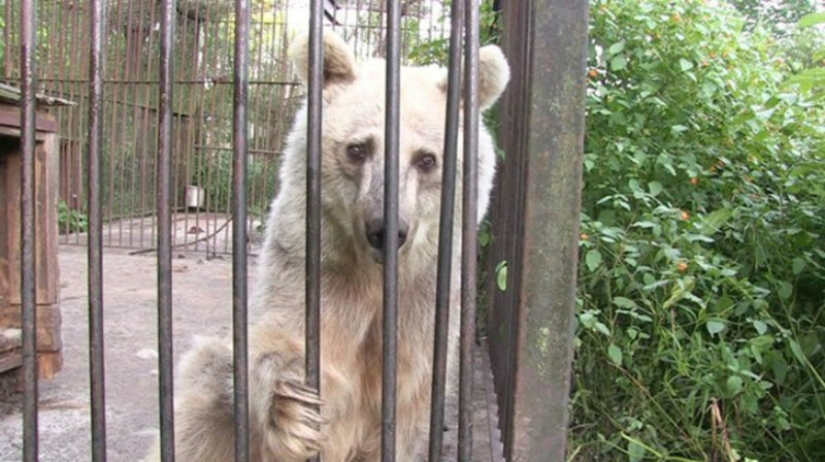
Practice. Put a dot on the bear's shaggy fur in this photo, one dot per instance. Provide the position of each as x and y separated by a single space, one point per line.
284 423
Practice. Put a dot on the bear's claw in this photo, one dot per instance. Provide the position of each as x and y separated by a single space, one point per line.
294 430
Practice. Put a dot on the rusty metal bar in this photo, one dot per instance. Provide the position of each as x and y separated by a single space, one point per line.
239 232
552 130
28 48
164 237
392 108
445 235
507 216
95 236
313 217
469 232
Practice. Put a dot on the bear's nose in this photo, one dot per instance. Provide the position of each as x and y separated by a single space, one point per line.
376 232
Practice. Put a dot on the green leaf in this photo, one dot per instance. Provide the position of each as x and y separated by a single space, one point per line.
618 63
797 352
734 384
623 302
635 451
483 238
785 290
601 327
760 327
685 64
593 259
655 188
812 19
714 220
798 265
714 327
588 319
617 47
615 354
501 275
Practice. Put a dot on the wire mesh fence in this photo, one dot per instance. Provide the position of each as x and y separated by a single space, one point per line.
202 106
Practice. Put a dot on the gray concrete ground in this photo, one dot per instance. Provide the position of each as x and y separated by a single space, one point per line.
202 306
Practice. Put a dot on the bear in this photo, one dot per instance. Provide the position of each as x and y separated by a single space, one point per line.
289 421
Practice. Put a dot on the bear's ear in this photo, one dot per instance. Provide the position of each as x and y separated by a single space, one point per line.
493 76
339 61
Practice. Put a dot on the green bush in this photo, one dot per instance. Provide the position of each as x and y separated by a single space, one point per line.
702 278
70 220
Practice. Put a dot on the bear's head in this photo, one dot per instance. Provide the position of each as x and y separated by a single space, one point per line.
353 146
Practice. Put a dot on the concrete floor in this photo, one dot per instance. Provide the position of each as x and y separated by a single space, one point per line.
202 304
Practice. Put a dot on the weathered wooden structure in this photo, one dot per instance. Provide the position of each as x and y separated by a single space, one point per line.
46 162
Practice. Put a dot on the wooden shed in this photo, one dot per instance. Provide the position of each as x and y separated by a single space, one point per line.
47 276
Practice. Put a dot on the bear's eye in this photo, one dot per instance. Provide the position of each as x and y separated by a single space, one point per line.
425 162
357 153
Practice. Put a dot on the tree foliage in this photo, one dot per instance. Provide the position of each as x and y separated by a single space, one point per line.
702 279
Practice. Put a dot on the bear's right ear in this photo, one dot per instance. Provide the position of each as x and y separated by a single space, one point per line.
339 61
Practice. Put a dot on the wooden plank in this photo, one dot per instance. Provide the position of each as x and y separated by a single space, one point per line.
10 117
49 323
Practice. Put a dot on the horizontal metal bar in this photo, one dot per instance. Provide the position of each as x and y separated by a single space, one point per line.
212 81
248 150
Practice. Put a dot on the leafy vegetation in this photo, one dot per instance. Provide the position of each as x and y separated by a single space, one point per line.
70 220
702 279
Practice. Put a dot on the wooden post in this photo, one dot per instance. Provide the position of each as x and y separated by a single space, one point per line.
47 159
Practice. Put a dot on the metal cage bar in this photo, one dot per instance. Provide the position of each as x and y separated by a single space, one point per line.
239 232
27 203
164 236
95 236
313 213
469 234
391 177
445 234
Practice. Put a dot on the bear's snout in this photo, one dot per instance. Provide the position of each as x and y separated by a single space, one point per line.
375 233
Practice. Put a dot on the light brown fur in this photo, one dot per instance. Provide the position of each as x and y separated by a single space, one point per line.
284 425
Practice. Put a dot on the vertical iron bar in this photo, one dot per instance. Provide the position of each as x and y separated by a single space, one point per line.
164 211
27 229
313 224
469 236
95 237
239 231
445 235
392 108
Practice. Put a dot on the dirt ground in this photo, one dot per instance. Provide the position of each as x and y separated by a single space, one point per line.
202 294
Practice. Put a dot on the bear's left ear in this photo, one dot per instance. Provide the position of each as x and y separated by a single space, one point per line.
339 61
493 75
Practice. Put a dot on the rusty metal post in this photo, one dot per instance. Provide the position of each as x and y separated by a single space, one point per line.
95 239
239 231
546 42
27 225
164 211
